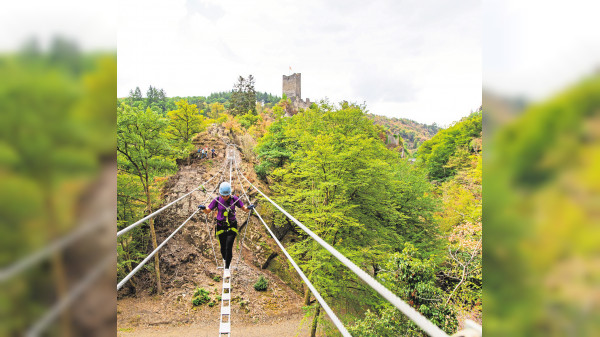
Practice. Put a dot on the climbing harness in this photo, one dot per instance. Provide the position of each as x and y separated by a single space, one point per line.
225 223
228 227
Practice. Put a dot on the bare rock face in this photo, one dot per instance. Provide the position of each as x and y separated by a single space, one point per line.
195 250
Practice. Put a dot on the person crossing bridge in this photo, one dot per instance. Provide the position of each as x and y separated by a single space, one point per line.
226 228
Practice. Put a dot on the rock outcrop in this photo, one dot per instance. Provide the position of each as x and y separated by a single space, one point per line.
190 252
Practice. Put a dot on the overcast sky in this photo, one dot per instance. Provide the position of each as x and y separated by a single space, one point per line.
414 59
93 25
536 48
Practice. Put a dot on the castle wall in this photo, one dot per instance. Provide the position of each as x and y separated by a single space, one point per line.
292 85
292 89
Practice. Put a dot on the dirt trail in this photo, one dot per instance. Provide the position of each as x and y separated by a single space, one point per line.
293 325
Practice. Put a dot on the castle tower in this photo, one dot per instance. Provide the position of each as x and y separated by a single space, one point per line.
291 86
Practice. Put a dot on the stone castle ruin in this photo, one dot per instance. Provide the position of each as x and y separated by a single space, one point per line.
292 89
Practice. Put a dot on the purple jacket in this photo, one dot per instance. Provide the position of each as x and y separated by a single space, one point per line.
220 209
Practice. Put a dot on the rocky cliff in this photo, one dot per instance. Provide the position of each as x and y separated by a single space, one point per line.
189 256
188 261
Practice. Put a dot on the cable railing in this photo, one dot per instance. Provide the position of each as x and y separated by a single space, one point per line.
336 321
155 213
141 264
74 294
54 247
58 247
420 320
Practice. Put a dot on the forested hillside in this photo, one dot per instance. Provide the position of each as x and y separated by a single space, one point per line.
413 134
446 153
414 229
421 240
208 106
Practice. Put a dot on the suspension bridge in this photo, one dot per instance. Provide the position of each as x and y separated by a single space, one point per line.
231 168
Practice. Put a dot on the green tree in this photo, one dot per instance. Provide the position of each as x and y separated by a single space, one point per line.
413 279
435 152
156 99
216 109
248 120
131 204
151 96
66 54
143 152
185 122
332 171
49 158
243 96
541 209
135 95
271 148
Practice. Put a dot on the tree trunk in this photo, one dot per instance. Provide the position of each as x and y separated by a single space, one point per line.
58 269
154 243
61 290
313 330
306 296
156 259
375 270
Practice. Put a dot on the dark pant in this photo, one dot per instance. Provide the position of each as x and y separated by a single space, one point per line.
226 240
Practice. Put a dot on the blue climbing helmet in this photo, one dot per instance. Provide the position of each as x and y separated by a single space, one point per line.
225 189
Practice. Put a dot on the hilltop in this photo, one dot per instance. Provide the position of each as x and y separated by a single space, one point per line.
413 133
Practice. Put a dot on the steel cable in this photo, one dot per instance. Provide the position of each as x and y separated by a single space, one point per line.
139 266
430 328
139 222
310 286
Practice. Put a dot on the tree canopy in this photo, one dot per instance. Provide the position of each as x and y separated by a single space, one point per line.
185 122
435 153
328 167
243 96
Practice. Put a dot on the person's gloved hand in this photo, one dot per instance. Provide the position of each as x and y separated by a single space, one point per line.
251 207
202 207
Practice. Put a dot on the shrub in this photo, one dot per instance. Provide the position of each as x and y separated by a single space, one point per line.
262 169
200 297
247 143
261 284
244 305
